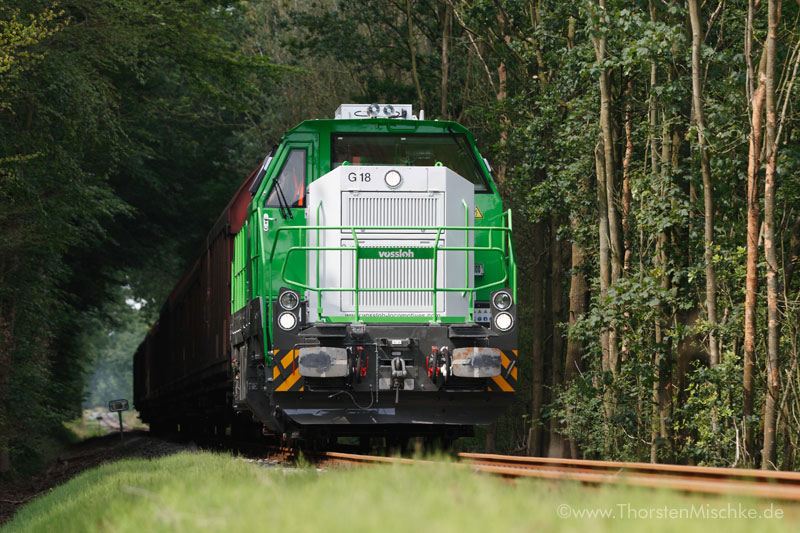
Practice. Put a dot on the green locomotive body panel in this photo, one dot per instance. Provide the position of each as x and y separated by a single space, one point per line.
259 273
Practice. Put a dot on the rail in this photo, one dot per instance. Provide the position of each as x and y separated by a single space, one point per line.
774 485
505 249
693 479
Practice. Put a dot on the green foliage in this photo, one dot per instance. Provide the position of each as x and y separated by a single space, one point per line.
109 339
710 415
547 143
113 129
18 53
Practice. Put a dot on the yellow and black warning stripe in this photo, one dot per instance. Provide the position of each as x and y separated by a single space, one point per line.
285 372
507 380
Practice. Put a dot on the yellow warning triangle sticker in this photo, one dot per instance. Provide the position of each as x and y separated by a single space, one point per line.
478 213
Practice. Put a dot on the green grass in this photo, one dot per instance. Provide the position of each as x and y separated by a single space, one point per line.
86 426
209 492
83 429
31 456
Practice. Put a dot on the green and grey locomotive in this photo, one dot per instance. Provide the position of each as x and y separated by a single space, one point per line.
370 280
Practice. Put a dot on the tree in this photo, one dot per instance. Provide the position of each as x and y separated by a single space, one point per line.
768 459
708 187
753 217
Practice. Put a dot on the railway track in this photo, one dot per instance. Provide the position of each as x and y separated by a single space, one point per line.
694 479
784 486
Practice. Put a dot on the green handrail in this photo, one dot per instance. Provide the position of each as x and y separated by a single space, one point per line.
511 257
358 261
435 272
319 294
471 311
508 262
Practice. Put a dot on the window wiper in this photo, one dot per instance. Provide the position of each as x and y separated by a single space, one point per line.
282 203
463 145
458 140
262 171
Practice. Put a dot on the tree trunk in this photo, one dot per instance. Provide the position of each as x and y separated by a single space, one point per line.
578 304
7 319
773 325
537 292
610 171
751 279
654 169
662 358
605 270
502 80
792 257
556 298
446 25
661 361
627 196
790 450
491 438
412 51
651 106
708 191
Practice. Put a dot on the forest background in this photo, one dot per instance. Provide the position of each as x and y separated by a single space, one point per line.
650 151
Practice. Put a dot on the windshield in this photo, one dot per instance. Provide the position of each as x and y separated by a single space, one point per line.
451 150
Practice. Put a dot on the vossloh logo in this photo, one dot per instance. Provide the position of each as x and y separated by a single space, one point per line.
396 254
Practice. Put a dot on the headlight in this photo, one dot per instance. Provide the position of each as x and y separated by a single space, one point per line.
503 321
502 300
289 300
287 321
393 179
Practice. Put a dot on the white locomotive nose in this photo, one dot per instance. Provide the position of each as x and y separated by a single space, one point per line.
395 213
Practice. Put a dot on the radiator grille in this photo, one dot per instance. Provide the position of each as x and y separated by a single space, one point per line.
392 210
392 274
396 274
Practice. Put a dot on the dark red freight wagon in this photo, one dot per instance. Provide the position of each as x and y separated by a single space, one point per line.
182 368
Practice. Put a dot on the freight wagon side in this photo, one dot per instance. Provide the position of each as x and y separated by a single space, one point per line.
182 375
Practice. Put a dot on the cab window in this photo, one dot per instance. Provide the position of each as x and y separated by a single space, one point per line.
289 188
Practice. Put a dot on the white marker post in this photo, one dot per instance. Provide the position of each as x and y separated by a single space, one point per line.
117 406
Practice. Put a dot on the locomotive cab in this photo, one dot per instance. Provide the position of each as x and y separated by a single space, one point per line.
373 288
